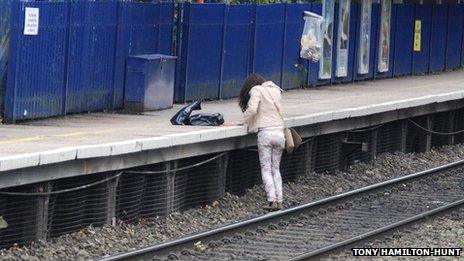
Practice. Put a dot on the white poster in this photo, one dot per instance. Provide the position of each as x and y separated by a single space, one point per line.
325 65
365 37
384 37
343 38
31 21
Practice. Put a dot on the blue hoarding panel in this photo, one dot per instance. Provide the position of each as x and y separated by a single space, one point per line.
92 38
181 51
203 61
438 38
237 47
462 46
36 74
313 74
166 24
404 38
268 42
421 59
294 69
143 28
454 36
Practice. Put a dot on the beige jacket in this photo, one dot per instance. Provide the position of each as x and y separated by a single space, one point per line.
261 111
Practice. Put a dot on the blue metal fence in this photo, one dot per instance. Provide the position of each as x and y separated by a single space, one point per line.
92 38
76 62
201 57
294 69
454 36
143 28
36 69
237 48
269 41
438 43
404 37
240 39
421 59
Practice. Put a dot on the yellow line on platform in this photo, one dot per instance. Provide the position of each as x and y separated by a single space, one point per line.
35 138
65 135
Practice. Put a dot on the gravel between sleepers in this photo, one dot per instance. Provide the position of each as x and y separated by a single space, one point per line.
443 231
94 242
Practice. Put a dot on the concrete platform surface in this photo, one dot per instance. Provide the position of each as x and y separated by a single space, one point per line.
92 135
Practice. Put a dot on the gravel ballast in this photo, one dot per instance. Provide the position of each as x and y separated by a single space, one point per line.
92 242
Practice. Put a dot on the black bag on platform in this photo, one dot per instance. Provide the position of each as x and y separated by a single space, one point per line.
184 117
203 119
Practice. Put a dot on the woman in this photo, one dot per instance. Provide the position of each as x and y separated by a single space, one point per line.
260 101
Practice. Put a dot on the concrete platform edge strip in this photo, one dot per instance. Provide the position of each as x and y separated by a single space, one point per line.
132 146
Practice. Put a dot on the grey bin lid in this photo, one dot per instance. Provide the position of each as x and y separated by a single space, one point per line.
152 57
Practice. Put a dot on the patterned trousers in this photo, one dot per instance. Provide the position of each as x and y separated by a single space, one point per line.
271 142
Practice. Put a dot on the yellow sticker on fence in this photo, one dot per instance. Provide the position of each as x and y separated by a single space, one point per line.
417 36
418 25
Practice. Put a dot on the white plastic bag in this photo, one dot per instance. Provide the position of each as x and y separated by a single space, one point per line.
311 39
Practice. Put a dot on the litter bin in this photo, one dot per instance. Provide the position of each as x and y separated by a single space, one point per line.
149 82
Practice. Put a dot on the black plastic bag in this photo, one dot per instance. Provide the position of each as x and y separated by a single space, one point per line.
202 119
184 117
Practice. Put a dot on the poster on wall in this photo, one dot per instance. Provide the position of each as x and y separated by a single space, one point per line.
343 38
365 37
384 37
325 64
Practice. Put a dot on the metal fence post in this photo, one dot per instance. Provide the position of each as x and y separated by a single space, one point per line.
428 144
450 127
221 166
178 52
309 157
251 53
284 43
404 135
111 202
119 7
42 211
170 186
223 50
373 144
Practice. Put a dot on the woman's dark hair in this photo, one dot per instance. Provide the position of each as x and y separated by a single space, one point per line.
251 81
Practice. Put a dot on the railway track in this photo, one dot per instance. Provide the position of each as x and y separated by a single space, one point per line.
315 229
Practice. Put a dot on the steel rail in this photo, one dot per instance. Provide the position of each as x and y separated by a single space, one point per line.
204 236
